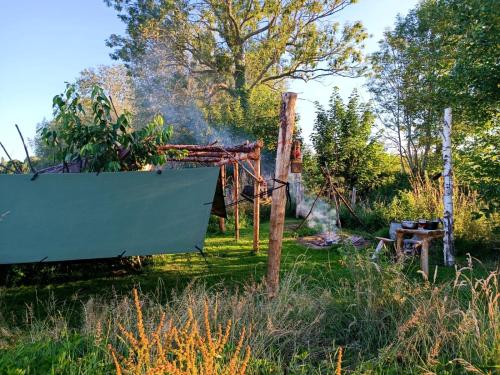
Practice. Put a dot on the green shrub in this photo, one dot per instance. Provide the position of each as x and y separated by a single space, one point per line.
472 229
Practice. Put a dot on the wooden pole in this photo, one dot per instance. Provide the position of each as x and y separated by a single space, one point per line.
424 258
287 124
256 203
326 172
448 248
222 221
236 197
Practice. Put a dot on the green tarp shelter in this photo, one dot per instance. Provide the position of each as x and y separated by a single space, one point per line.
73 216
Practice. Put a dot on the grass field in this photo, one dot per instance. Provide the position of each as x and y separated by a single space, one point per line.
318 286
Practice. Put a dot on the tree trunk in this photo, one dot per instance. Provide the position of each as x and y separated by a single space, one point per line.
240 81
287 124
448 250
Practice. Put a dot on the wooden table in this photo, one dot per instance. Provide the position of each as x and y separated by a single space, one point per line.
426 237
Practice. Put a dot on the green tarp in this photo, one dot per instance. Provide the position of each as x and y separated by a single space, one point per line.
76 216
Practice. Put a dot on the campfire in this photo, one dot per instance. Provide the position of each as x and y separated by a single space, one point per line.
326 239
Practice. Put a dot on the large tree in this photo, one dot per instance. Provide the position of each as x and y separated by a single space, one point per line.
237 45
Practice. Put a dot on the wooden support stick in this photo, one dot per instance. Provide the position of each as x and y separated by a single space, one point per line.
326 172
12 161
278 206
236 197
222 221
424 257
312 207
26 150
256 204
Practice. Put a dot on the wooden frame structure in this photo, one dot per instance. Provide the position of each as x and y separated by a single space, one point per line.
246 156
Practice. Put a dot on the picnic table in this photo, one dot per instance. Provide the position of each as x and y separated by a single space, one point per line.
426 236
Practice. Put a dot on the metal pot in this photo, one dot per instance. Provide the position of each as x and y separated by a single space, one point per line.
409 224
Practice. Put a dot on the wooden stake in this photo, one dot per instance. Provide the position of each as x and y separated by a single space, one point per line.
287 124
448 249
256 203
424 257
16 167
236 197
222 221
326 172
33 170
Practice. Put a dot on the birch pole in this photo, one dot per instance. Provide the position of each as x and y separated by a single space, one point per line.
448 248
287 124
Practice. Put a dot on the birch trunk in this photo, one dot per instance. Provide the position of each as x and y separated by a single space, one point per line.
448 250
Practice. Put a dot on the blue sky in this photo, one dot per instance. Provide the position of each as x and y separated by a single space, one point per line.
46 43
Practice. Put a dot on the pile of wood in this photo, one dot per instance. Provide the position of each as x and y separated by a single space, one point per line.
215 154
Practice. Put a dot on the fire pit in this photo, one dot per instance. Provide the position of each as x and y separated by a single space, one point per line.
327 239
320 240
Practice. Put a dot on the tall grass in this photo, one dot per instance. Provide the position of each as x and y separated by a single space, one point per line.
425 200
384 321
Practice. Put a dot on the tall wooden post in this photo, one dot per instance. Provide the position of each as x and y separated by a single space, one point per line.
236 198
448 249
222 221
287 124
256 202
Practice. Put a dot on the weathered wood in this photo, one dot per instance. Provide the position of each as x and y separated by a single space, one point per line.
33 170
312 206
188 159
222 221
287 125
246 147
424 257
236 198
399 244
326 172
448 247
256 204
16 167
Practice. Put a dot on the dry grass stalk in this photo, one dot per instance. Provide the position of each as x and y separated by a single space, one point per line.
180 351
338 369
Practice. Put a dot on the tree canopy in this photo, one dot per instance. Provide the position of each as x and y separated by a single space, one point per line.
343 141
237 45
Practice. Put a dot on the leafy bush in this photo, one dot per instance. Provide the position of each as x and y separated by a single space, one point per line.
101 141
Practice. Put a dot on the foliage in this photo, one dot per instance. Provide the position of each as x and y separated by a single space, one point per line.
185 350
69 354
473 231
236 46
103 142
115 81
478 164
342 140
442 54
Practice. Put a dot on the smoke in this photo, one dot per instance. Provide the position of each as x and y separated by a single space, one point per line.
322 216
171 91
